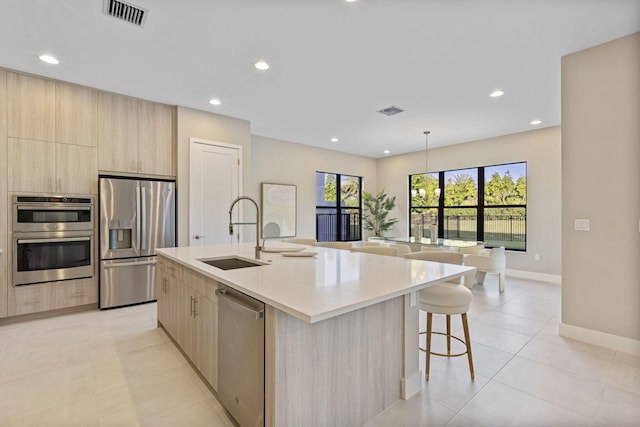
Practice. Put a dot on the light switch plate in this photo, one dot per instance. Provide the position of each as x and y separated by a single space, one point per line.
581 224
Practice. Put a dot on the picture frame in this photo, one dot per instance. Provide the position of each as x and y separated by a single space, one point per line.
279 208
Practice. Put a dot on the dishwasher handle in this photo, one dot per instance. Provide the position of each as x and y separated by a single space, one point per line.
222 293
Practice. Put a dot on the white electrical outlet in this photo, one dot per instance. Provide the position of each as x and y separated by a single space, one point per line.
581 224
537 257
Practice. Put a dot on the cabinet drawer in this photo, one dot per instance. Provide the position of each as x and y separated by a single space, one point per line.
54 295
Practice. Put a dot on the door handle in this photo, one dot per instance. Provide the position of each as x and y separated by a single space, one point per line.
197 236
143 218
138 219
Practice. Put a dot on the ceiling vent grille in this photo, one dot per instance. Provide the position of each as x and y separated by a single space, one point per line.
391 111
125 11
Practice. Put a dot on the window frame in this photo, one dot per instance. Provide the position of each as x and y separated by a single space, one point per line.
480 207
339 209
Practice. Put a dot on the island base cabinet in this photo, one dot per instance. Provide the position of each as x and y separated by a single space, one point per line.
340 372
189 315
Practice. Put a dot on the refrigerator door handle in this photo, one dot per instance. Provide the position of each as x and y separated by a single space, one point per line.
143 218
129 264
138 225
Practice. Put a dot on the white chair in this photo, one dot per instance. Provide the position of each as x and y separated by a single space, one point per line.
379 250
362 243
489 261
472 250
335 245
445 298
402 249
301 241
432 249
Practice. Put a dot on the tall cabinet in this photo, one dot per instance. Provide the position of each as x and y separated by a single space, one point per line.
56 138
4 235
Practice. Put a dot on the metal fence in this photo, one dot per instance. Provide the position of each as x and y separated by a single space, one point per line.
327 227
499 230
507 231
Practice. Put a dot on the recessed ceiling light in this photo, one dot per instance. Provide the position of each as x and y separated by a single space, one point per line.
49 59
536 122
215 101
496 93
386 151
350 1
334 139
261 65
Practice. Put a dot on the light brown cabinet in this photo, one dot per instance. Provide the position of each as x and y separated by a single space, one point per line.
134 136
117 132
30 107
49 167
76 115
4 211
32 165
50 296
188 311
155 138
77 169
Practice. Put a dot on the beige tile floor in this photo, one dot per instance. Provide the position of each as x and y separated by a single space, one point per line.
115 368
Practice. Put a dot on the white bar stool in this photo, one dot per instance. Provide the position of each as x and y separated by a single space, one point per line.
445 298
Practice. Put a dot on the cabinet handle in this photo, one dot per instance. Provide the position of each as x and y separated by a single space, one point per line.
195 307
191 307
139 165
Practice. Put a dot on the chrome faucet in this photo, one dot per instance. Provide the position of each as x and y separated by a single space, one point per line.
257 223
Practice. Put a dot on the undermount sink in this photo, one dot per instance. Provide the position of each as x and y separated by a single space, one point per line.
231 263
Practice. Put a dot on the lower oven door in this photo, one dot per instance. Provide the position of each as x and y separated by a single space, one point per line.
127 281
48 257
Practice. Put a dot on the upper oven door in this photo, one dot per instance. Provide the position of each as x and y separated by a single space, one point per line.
33 217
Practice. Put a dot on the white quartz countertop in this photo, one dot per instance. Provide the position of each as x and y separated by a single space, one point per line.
331 283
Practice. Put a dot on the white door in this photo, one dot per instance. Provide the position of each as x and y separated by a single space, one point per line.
214 183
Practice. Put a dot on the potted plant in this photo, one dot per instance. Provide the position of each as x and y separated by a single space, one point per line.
377 209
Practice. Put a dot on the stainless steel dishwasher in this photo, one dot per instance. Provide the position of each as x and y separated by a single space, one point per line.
241 356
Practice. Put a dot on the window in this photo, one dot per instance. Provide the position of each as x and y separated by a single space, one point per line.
485 203
505 205
423 206
338 207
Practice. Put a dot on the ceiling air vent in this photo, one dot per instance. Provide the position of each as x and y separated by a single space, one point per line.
391 111
125 11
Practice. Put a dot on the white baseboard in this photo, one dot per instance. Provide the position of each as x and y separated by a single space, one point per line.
531 275
411 385
602 339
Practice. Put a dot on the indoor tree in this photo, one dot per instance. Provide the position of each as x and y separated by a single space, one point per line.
377 209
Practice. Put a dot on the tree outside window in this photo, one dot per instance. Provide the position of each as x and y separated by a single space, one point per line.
338 218
484 203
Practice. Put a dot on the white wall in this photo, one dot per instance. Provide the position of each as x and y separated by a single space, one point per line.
281 162
539 148
211 127
600 156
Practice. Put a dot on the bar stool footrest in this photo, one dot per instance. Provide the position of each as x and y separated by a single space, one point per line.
445 354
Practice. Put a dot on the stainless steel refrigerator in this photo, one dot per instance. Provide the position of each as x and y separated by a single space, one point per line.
136 217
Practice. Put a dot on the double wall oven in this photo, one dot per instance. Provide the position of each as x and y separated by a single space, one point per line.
52 238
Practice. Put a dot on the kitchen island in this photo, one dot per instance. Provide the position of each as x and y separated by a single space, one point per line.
341 328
